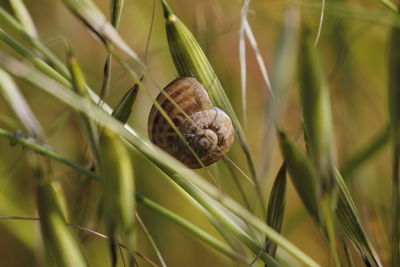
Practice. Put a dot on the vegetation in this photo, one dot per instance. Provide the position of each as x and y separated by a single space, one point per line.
313 92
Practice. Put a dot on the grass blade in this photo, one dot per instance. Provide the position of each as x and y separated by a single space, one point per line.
276 207
316 113
54 61
317 125
89 125
46 150
349 220
88 12
115 14
23 16
124 108
242 58
302 174
370 150
191 228
14 97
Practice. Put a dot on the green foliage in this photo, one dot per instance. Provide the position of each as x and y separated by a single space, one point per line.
211 212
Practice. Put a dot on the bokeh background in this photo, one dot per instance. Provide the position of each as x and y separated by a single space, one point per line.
353 48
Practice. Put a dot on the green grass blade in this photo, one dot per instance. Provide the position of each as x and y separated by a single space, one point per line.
115 16
116 7
89 125
349 220
317 125
24 17
44 149
54 61
390 5
371 148
276 207
316 112
13 96
89 13
39 63
191 228
124 108
302 174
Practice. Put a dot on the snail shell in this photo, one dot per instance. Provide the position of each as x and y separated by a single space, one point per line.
207 129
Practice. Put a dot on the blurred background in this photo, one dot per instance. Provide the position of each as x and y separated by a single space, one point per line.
353 48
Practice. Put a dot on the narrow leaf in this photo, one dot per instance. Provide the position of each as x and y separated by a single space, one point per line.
89 13
316 112
124 108
89 125
276 207
302 174
24 17
349 220
11 93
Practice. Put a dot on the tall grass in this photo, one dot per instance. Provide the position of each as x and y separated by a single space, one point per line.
108 170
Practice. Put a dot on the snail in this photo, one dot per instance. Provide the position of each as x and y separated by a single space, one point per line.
206 129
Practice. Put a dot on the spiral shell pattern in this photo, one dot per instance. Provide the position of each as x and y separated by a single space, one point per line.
206 129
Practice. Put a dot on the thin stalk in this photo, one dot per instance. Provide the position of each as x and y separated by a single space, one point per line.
366 153
191 228
151 240
43 149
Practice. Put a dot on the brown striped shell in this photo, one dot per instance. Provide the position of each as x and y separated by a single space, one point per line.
207 129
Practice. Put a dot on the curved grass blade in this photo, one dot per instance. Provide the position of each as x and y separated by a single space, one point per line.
91 16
